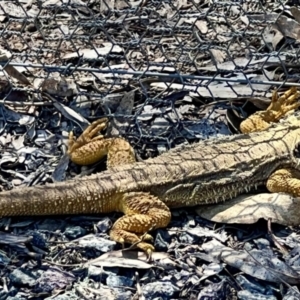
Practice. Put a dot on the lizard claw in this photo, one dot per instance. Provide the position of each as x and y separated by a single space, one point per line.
279 107
89 134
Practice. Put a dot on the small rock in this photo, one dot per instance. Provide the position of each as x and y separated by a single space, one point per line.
52 225
292 293
182 274
162 240
248 246
98 243
23 277
104 225
38 239
188 239
4 260
99 274
262 243
247 295
165 290
252 286
116 281
11 293
96 273
16 298
216 290
124 295
53 279
74 232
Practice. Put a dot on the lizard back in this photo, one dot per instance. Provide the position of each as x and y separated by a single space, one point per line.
209 171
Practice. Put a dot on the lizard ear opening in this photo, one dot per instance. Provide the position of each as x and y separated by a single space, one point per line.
296 151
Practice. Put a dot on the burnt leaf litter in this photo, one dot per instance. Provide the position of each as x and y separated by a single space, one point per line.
51 52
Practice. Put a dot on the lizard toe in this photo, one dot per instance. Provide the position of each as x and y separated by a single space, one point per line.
126 237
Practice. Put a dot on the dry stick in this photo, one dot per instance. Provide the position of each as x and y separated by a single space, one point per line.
281 247
138 286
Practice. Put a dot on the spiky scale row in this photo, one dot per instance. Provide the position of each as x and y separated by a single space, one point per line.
207 172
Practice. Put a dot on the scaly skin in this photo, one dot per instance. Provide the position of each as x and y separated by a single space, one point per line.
206 172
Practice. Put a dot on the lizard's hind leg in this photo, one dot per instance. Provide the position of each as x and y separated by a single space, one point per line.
143 212
285 181
279 107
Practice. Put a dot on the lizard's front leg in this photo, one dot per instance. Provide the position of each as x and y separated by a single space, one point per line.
279 107
143 212
91 146
282 180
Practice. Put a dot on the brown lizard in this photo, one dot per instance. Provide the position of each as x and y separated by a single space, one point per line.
206 172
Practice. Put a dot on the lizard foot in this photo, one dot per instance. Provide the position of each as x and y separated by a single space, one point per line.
279 107
143 212
91 146
285 181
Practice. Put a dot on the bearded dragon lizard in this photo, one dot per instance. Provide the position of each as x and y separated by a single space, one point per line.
206 172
